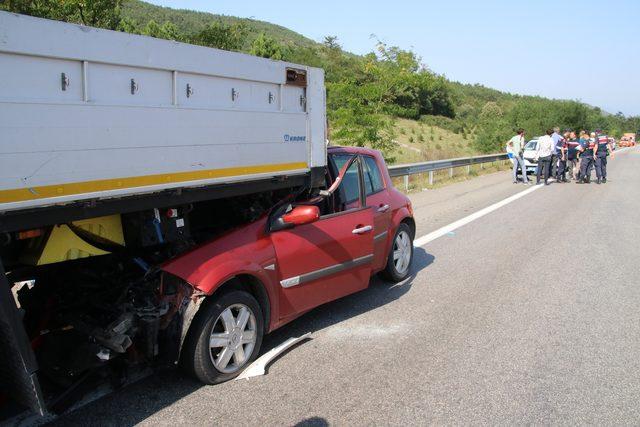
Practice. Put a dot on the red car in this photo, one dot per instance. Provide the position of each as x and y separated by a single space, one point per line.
301 255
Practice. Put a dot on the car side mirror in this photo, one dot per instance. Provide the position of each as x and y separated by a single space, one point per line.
298 215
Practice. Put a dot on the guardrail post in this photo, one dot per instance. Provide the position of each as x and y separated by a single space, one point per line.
450 172
468 169
481 165
406 183
430 177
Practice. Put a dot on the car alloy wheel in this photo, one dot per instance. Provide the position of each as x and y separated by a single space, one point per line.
233 338
402 252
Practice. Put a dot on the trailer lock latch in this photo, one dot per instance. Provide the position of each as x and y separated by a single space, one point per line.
64 81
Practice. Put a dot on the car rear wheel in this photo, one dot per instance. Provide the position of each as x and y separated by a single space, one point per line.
401 255
225 337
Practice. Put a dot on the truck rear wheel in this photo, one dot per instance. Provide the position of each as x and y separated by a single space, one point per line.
225 337
400 256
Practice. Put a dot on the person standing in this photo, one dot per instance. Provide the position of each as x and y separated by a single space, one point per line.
572 156
586 159
516 144
561 147
602 148
544 153
583 143
557 141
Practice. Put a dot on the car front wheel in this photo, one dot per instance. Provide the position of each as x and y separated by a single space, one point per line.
401 255
225 337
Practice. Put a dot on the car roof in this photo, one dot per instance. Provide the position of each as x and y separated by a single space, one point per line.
352 150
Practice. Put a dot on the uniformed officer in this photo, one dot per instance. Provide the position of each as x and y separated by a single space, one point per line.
572 156
587 156
562 146
602 149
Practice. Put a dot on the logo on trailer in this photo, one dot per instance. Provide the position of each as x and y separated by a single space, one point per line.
294 138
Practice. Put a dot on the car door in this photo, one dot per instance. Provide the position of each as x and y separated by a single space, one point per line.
377 198
326 259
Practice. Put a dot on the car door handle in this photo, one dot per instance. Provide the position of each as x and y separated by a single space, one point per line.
383 208
362 230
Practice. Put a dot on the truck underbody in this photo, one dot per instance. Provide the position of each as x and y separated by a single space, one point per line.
107 310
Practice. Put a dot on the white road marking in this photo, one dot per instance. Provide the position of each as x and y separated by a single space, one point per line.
421 241
259 366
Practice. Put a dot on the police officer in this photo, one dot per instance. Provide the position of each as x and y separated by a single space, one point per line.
587 155
602 149
561 146
557 143
572 156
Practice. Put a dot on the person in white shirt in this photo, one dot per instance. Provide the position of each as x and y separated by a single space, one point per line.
544 151
515 147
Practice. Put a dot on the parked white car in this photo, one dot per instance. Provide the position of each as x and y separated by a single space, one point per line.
529 155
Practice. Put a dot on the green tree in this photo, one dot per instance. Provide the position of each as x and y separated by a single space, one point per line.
166 31
95 13
331 42
222 36
170 32
267 47
152 29
129 25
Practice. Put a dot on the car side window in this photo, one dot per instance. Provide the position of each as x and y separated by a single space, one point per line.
349 189
372 177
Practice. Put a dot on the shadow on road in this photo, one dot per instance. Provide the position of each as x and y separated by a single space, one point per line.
378 293
313 422
138 401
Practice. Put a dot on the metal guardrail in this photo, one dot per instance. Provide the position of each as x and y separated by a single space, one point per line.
436 165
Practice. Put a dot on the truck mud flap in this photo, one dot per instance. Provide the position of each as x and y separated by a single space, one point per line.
18 365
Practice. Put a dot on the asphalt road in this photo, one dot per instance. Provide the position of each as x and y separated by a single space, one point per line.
528 315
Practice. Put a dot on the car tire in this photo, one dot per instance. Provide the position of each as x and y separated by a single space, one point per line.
218 347
400 256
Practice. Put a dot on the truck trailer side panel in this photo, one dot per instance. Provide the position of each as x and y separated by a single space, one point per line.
92 114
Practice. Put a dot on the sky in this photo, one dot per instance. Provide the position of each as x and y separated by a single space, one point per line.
586 50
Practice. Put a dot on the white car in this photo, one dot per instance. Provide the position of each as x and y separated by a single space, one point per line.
529 155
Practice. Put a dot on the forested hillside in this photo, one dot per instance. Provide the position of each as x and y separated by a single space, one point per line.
370 98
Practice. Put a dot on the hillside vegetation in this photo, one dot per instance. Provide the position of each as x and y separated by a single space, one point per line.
386 99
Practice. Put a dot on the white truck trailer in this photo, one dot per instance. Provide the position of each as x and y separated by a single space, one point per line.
100 129
88 113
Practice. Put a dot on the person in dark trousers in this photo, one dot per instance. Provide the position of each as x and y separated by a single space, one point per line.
602 149
587 158
561 146
544 151
583 143
555 156
572 156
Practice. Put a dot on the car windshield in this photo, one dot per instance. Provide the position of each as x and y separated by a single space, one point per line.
531 145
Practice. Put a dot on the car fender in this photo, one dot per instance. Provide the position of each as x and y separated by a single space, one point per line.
226 271
245 251
398 216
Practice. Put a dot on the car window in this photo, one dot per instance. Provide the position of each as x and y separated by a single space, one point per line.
372 177
531 145
350 187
